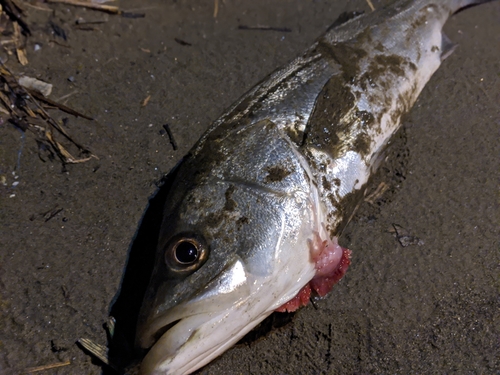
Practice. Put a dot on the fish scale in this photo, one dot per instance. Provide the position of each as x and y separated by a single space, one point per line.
262 197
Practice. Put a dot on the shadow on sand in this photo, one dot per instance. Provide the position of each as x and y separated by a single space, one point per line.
126 305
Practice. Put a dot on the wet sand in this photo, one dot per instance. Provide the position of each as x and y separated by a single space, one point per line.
431 307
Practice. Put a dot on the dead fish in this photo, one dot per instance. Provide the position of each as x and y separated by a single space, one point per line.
252 220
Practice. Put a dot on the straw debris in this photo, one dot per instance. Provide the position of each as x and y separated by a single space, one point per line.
90 5
50 366
27 110
24 101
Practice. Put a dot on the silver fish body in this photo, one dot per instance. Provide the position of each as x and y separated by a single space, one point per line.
252 219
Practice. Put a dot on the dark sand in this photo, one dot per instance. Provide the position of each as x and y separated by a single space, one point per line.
429 308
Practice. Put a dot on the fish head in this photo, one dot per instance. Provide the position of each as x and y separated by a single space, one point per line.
229 254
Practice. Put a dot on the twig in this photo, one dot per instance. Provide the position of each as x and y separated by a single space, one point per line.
11 10
370 5
64 97
145 101
381 189
62 107
170 136
50 214
132 15
216 8
20 50
59 43
38 7
47 367
265 28
105 8
19 120
182 42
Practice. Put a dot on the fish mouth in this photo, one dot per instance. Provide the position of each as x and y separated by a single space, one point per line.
182 345
191 334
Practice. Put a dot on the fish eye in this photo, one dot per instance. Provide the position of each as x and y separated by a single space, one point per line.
186 253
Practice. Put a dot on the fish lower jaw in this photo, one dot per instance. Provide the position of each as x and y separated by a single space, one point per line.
331 263
195 340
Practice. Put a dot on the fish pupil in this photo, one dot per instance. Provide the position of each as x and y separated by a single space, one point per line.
186 252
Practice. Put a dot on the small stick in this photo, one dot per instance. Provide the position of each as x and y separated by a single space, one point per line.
170 136
51 213
38 7
216 8
64 97
145 101
59 43
20 50
105 8
370 5
381 189
62 107
63 154
10 9
47 367
182 42
265 28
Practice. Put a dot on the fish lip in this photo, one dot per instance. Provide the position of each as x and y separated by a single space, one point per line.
233 276
172 335
163 330
157 357
178 349
152 330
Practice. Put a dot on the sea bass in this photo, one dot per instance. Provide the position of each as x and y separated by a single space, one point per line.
252 219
